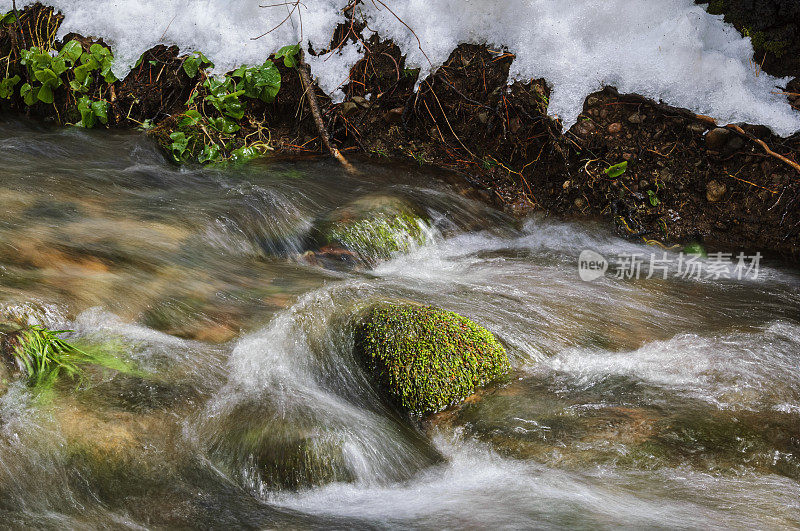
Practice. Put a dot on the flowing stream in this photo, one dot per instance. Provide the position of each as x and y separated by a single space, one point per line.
652 402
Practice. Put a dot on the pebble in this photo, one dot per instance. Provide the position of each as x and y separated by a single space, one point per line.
361 101
615 128
735 143
347 108
636 118
579 203
715 190
716 139
394 115
697 127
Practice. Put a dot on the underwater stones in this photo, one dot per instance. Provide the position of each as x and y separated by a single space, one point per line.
372 228
426 358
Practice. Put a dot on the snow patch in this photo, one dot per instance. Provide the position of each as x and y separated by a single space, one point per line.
670 50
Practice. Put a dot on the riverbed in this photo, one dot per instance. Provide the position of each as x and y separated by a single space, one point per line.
669 401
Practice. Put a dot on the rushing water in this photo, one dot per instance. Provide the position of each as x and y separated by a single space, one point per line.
634 403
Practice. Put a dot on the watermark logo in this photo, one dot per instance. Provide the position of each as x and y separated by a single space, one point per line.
591 265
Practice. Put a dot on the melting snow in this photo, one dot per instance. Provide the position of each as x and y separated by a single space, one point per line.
665 49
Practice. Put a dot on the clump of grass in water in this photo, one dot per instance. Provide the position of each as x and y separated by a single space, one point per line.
45 356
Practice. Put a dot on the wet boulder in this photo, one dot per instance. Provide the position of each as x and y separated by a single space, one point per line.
372 228
280 448
425 358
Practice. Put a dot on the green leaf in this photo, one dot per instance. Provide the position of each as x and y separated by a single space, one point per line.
87 114
59 65
99 51
289 54
8 18
191 117
179 144
105 70
28 94
653 198
224 125
617 169
7 86
72 51
210 153
191 65
100 110
89 59
235 110
82 72
45 94
243 154
47 77
78 87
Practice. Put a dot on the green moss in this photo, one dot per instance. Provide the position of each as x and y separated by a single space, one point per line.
427 358
374 228
379 237
695 249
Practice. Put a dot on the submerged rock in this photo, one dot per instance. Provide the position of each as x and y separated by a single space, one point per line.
372 228
274 448
427 358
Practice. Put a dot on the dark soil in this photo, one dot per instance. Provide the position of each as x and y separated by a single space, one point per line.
680 185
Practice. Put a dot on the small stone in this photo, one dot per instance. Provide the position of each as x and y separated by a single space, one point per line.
603 113
483 117
584 127
665 175
615 128
643 184
360 101
716 139
636 118
697 127
627 156
579 203
566 185
394 115
715 190
592 101
347 108
735 143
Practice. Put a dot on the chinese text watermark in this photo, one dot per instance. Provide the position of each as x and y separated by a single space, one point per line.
592 265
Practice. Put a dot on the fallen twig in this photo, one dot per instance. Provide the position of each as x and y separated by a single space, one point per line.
314 104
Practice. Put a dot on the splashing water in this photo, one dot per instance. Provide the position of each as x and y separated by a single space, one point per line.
633 402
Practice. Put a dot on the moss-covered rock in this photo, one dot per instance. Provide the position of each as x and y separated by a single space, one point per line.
427 358
374 227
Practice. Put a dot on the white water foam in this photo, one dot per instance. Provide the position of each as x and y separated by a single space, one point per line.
664 49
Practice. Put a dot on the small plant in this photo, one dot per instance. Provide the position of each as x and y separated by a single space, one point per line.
617 169
289 54
194 63
71 67
45 356
206 132
653 198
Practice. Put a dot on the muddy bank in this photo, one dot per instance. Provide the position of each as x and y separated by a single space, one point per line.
679 183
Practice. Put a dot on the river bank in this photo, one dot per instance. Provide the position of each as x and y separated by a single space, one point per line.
652 171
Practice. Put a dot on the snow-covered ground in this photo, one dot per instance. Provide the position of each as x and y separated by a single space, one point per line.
665 49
